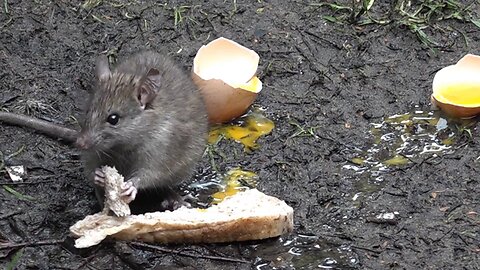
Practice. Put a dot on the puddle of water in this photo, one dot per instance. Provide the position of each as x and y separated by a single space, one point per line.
294 251
301 252
246 130
404 139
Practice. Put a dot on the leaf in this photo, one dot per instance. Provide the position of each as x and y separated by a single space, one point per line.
17 194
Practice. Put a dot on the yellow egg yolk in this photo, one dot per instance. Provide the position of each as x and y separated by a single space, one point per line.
254 85
254 126
235 180
461 94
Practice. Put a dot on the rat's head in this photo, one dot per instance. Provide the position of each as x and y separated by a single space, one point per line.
115 113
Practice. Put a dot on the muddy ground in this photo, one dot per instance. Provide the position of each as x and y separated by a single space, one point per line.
326 80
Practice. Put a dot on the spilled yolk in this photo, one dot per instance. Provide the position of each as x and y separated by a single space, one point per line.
396 161
254 85
358 161
236 180
462 94
254 126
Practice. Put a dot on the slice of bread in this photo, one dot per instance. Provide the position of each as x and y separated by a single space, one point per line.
247 215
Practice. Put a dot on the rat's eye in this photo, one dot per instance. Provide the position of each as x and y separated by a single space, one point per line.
113 119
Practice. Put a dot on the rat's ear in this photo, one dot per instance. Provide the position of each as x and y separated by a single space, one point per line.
102 70
149 87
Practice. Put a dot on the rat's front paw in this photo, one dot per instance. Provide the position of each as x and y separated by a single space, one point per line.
129 191
99 177
174 203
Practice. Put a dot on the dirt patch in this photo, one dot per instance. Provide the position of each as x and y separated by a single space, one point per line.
327 77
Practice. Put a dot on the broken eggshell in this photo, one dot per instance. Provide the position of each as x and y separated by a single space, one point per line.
224 71
456 88
16 173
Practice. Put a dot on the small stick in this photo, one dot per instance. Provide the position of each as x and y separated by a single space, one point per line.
10 245
167 250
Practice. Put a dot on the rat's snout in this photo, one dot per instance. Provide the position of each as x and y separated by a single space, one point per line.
84 141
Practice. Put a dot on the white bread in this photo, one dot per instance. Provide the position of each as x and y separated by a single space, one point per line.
113 200
247 215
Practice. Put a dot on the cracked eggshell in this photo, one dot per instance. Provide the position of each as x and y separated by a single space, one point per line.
456 88
224 71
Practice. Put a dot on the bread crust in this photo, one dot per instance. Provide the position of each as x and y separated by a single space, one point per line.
248 215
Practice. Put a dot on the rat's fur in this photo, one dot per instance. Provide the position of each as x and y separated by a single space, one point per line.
161 133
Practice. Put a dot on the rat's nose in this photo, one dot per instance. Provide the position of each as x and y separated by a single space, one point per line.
83 141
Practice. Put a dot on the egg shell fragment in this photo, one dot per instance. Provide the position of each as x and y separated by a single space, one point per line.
456 88
224 71
223 102
226 60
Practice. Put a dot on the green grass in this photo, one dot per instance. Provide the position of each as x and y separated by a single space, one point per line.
17 194
5 7
30 106
178 14
15 259
418 16
185 14
90 4
302 131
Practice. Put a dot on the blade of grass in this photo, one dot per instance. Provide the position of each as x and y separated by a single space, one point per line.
331 19
476 22
178 14
334 7
367 4
16 153
5 6
17 194
14 262
424 37
89 4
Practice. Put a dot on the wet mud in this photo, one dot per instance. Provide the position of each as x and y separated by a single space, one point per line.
377 179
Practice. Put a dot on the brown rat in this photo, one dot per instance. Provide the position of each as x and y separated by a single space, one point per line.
147 119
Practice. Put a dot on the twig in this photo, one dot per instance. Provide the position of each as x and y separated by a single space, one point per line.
368 249
167 250
11 214
29 244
